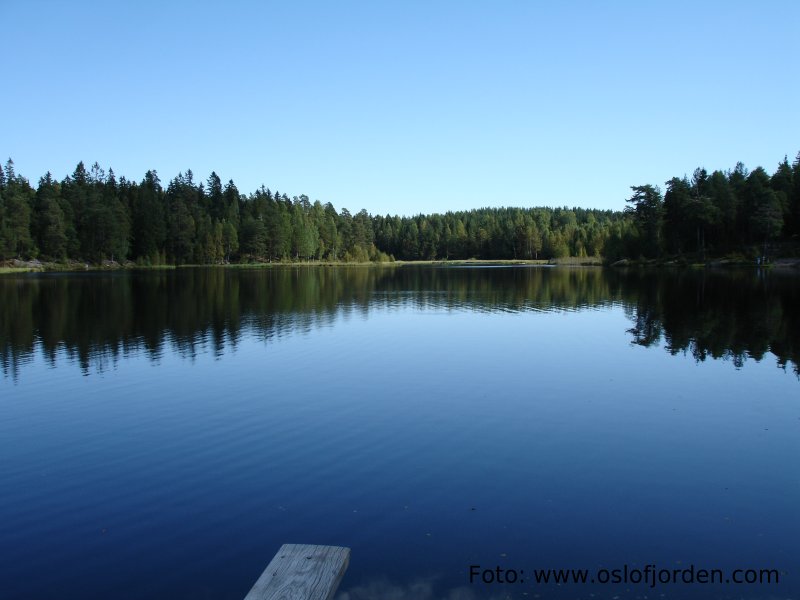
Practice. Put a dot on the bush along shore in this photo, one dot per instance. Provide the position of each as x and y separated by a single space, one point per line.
92 219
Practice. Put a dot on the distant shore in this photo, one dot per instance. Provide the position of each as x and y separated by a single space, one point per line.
29 266
36 266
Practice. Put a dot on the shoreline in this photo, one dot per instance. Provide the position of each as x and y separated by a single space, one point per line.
35 266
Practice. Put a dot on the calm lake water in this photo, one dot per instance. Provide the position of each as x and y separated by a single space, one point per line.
163 433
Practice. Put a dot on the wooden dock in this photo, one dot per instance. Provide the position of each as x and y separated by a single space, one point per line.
302 572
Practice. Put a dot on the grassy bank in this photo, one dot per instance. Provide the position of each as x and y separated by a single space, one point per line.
779 263
7 270
75 266
16 266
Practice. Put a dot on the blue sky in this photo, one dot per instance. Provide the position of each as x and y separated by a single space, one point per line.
403 107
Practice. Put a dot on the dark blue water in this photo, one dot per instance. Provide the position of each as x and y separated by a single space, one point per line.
163 433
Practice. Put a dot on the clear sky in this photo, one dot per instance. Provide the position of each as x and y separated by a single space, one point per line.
403 107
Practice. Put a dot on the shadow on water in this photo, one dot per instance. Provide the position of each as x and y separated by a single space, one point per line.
94 319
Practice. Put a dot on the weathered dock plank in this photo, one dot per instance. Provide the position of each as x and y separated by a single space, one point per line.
302 572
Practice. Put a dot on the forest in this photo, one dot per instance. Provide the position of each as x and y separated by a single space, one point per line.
93 217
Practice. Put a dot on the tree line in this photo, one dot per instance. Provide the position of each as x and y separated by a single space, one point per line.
92 216
719 212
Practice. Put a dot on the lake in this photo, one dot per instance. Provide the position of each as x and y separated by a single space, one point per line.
162 433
